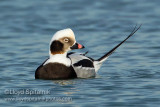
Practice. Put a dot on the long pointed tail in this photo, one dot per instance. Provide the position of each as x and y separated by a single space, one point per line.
112 50
99 61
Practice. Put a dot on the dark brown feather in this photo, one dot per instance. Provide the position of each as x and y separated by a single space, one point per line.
52 71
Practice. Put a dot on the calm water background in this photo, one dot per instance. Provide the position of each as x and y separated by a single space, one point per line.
130 77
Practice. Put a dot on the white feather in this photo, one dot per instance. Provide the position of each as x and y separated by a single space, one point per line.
98 64
59 58
63 33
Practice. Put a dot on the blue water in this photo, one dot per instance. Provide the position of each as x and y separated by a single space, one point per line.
129 78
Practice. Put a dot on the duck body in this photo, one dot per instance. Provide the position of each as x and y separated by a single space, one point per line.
78 65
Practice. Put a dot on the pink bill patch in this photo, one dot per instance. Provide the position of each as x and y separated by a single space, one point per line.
79 46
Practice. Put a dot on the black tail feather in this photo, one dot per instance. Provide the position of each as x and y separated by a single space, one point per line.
112 50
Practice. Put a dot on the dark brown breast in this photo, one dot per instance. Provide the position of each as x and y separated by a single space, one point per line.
55 71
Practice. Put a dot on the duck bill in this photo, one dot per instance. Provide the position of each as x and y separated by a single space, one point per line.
77 46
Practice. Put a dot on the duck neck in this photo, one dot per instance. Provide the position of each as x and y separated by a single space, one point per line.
59 58
61 55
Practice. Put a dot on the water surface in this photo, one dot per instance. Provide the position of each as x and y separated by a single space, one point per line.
130 77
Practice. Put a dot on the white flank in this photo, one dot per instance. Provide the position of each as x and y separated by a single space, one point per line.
98 64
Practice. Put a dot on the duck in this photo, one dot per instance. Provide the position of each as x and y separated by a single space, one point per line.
63 64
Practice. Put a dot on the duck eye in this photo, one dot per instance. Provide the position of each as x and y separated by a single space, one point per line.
66 40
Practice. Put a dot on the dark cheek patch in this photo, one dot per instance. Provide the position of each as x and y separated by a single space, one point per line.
56 47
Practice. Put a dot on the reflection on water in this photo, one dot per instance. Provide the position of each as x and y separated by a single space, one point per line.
64 82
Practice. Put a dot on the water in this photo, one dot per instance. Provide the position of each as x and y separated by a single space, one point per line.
130 77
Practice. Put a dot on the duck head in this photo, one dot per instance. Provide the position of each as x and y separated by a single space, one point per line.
63 41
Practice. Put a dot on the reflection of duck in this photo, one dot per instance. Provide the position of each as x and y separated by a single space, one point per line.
66 83
63 82
61 65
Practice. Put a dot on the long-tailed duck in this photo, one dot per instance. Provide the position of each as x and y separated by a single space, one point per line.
63 65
